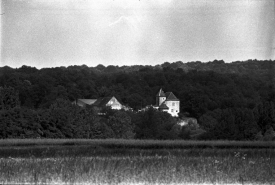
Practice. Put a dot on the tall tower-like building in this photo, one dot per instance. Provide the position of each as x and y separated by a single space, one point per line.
160 98
168 102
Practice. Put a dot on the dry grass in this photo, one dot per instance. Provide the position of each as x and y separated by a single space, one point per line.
89 165
146 144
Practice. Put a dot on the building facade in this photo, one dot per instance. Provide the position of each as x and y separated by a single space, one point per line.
168 102
100 102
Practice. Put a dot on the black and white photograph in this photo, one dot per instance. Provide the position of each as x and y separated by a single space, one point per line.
137 92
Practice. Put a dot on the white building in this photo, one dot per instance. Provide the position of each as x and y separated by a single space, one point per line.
101 102
168 102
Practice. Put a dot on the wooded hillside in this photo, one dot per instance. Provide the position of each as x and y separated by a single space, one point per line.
232 101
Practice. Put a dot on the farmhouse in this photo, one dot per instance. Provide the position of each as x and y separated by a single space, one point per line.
168 102
100 102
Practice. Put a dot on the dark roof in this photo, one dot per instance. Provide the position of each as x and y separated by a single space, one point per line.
100 102
171 97
163 106
161 93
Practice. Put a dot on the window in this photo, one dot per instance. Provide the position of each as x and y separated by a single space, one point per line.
172 110
173 104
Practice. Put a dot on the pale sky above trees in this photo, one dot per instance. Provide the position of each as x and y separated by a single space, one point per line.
49 33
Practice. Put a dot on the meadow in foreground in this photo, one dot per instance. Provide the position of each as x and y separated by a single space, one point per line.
90 165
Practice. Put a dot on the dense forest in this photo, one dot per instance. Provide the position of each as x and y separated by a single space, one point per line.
231 101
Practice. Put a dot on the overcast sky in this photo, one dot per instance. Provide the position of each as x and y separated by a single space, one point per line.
49 33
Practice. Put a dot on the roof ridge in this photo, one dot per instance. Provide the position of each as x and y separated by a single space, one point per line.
170 96
161 93
163 106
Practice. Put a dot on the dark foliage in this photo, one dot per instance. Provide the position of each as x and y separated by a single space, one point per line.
232 101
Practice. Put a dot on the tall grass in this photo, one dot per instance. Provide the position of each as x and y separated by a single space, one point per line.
89 165
146 144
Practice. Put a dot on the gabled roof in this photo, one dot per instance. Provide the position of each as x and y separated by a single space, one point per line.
87 101
100 102
161 93
171 97
163 106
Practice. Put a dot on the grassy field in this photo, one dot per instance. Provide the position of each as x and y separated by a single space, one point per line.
141 144
90 163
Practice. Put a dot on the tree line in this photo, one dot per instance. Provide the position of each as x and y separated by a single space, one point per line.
230 105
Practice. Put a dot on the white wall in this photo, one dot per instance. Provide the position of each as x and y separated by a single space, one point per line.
114 104
174 107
